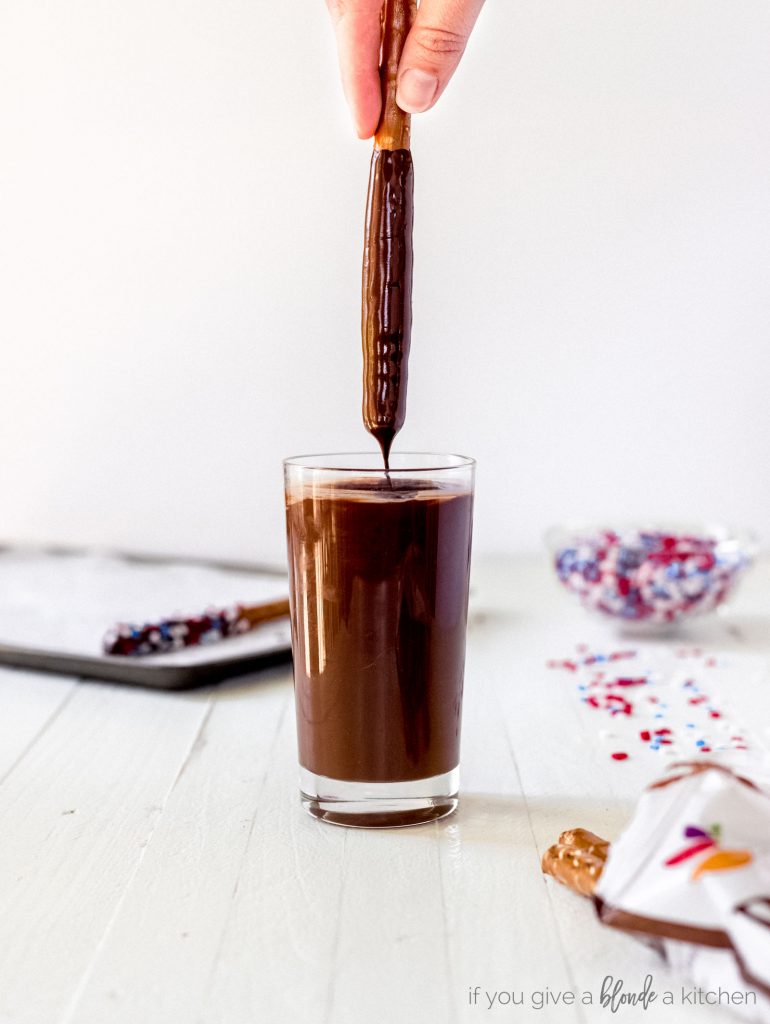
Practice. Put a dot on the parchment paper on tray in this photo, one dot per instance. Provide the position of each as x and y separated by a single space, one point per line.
55 608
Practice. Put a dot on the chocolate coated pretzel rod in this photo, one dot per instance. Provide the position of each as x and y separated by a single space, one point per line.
165 635
386 308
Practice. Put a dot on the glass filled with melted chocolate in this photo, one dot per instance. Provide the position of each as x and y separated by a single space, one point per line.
378 566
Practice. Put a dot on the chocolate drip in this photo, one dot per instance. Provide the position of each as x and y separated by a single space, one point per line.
386 319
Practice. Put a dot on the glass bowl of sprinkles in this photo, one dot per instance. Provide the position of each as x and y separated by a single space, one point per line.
651 577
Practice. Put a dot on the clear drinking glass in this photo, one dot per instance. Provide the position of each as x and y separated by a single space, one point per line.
379 566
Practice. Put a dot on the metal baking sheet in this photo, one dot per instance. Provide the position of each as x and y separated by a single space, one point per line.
56 605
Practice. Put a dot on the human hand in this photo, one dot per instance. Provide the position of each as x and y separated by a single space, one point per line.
431 53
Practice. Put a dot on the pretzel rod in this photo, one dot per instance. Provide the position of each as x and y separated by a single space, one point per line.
255 614
393 131
576 860
173 634
585 840
386 294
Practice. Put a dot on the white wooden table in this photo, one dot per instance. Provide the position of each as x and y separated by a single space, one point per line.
156 866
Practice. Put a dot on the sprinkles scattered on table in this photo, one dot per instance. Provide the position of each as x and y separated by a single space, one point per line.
659 700
650 576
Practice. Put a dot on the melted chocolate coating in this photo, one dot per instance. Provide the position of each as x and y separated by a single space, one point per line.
386 316
379 582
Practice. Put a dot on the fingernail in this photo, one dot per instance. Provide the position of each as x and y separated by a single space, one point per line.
416 90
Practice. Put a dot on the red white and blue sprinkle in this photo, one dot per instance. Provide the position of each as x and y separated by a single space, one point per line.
638 694
176 633
650 576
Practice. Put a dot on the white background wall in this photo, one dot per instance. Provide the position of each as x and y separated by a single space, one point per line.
181 206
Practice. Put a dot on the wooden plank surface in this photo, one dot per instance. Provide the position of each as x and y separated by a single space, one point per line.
191 869
76 815
156 866
30 701
277 951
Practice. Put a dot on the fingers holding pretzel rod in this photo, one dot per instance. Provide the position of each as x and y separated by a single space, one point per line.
432 51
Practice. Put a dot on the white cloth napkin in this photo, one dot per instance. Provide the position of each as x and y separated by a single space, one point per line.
691 872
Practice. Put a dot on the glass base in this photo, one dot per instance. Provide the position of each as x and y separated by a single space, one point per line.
379 804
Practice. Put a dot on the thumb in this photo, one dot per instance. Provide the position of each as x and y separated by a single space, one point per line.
433 50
